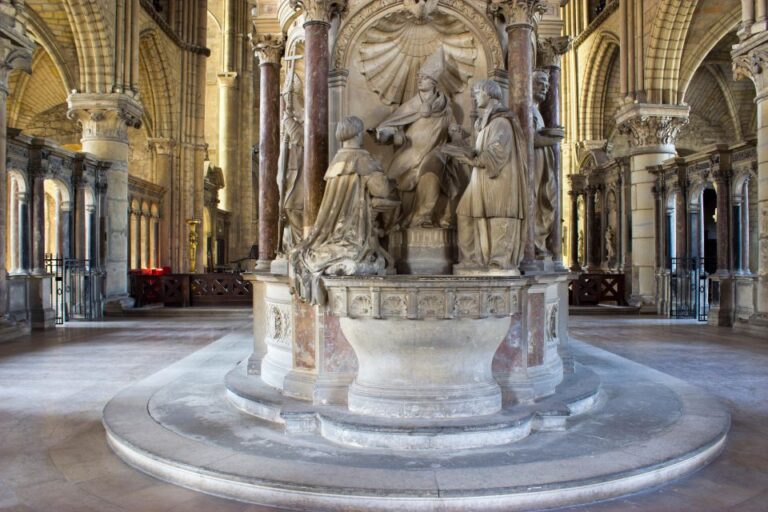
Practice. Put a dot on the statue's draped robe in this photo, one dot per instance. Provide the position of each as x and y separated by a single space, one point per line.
427 125
544 188
491 212
342 241
293 193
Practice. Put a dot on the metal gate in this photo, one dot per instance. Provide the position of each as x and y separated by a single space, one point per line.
689 289
76 289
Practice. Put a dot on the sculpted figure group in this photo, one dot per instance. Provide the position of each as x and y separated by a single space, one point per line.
436 180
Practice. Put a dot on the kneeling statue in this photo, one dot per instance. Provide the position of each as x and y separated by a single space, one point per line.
344 240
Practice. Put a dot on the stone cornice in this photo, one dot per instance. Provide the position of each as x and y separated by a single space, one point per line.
652 128
319 11
269 47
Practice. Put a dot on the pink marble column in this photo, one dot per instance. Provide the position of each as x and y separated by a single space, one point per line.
521 18
269 50
317 18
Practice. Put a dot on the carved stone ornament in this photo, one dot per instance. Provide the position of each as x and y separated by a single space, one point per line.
356 21
395 47
280 324
552 322
518 12
269 47
750 63
319 11
550 50
647 130
105 116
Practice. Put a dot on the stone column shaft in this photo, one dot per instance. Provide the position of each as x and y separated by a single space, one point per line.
723 187
652 131
681 226
105 119
38 224
745 266
164 152
575 263
269 49
589 229
24 232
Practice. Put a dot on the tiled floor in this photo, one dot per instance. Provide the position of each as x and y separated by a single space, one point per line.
53 456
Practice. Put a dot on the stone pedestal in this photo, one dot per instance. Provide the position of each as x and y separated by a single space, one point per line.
41 313
427 251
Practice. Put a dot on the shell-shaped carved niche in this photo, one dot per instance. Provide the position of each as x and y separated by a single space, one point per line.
394 49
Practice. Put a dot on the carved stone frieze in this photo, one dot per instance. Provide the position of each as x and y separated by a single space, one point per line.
552 323
319 11
431 300
269 47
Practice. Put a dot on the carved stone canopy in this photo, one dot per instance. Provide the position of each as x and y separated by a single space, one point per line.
394 48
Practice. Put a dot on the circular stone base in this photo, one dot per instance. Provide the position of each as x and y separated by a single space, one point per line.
646 429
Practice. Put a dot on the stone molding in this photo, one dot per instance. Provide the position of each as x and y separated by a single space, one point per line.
551 49
427 298
105 116
16 48
227 79
319 11
269 48
652 128
518 13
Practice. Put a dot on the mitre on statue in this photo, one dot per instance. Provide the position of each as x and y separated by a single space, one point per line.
442 69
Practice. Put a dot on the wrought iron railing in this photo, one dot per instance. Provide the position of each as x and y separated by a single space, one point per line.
690 288
75 289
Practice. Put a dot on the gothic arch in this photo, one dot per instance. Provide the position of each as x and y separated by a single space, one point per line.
159 96
665 50
44 37
92 39
694 57
601 58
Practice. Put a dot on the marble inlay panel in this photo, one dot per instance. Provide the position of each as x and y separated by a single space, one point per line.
536 318
509 356
304 351
339 357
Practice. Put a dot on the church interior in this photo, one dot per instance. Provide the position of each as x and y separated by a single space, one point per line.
422 255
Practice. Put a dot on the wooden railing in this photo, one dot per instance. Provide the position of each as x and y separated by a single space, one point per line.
593 289
183 290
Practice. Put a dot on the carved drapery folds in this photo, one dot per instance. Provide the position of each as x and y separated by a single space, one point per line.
518 12
319 11
105 117
269 48
396 46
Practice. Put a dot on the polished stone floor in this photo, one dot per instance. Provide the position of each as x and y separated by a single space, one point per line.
54 458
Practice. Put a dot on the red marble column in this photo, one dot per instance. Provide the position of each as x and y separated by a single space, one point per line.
520 60
316 67
269 50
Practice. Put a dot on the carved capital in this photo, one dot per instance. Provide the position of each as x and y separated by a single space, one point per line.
518 12
105 117
162 146
551 49
319 11
750 61
269 48
652 127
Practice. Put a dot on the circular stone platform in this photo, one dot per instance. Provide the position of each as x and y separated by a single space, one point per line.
646 429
